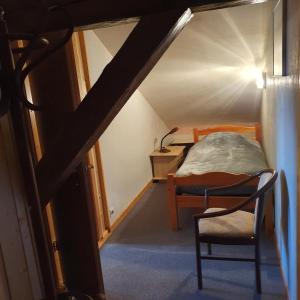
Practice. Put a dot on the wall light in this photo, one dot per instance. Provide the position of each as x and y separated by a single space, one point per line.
261 80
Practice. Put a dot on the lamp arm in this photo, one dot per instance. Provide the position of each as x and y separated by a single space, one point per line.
163 139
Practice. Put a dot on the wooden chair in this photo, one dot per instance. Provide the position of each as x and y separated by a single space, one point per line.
234 226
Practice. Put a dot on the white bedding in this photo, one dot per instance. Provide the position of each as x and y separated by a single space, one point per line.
227 152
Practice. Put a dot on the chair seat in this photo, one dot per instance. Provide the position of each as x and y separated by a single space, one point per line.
235 225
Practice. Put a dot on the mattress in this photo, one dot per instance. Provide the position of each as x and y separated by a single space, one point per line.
227 152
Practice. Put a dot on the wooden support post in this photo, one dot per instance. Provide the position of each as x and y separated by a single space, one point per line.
143 48
54 85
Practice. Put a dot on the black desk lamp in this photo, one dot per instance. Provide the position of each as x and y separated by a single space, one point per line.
163 149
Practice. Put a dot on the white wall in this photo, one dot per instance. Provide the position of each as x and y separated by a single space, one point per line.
127 142
280 132
280 123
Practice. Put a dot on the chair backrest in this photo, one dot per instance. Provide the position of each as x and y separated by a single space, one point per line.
265 184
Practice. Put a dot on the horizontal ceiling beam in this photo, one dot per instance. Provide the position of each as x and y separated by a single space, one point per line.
120 78
96 13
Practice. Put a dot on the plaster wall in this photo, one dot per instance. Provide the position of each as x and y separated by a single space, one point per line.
280 114
127 142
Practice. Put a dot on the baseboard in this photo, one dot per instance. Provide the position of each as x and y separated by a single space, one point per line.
281 270
125 213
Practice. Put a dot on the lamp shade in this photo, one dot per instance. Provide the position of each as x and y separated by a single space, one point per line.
173 130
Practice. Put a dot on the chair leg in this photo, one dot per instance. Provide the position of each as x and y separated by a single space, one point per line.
209 252
198 262
257 267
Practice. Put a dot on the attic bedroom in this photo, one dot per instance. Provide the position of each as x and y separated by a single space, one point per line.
122 216
211 75
207 77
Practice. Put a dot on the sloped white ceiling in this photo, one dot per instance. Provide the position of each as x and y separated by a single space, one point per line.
207 76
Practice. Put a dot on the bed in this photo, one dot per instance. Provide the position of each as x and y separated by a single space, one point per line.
220 156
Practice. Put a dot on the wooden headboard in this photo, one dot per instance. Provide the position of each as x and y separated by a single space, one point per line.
252 132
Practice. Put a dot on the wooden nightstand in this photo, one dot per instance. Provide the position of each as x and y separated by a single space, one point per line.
164 163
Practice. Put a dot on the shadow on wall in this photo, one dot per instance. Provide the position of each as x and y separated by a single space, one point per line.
284 199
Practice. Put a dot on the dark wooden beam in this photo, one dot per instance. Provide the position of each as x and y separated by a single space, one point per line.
26 16
121 77
86 15
73 212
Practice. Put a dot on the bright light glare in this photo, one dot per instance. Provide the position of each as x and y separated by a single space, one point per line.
260 82
253 73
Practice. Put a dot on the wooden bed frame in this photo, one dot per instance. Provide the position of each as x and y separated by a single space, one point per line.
176 202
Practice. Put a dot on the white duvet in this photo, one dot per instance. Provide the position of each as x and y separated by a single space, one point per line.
224 152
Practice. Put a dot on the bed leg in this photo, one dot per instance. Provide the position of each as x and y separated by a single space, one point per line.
173 210
269 215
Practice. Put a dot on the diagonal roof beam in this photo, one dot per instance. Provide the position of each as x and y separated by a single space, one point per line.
26 15
120 78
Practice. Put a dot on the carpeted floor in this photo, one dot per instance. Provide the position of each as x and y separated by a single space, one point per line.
145 260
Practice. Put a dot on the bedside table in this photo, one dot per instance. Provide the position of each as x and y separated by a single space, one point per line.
164 163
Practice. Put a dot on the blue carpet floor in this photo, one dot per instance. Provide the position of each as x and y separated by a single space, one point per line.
145 260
